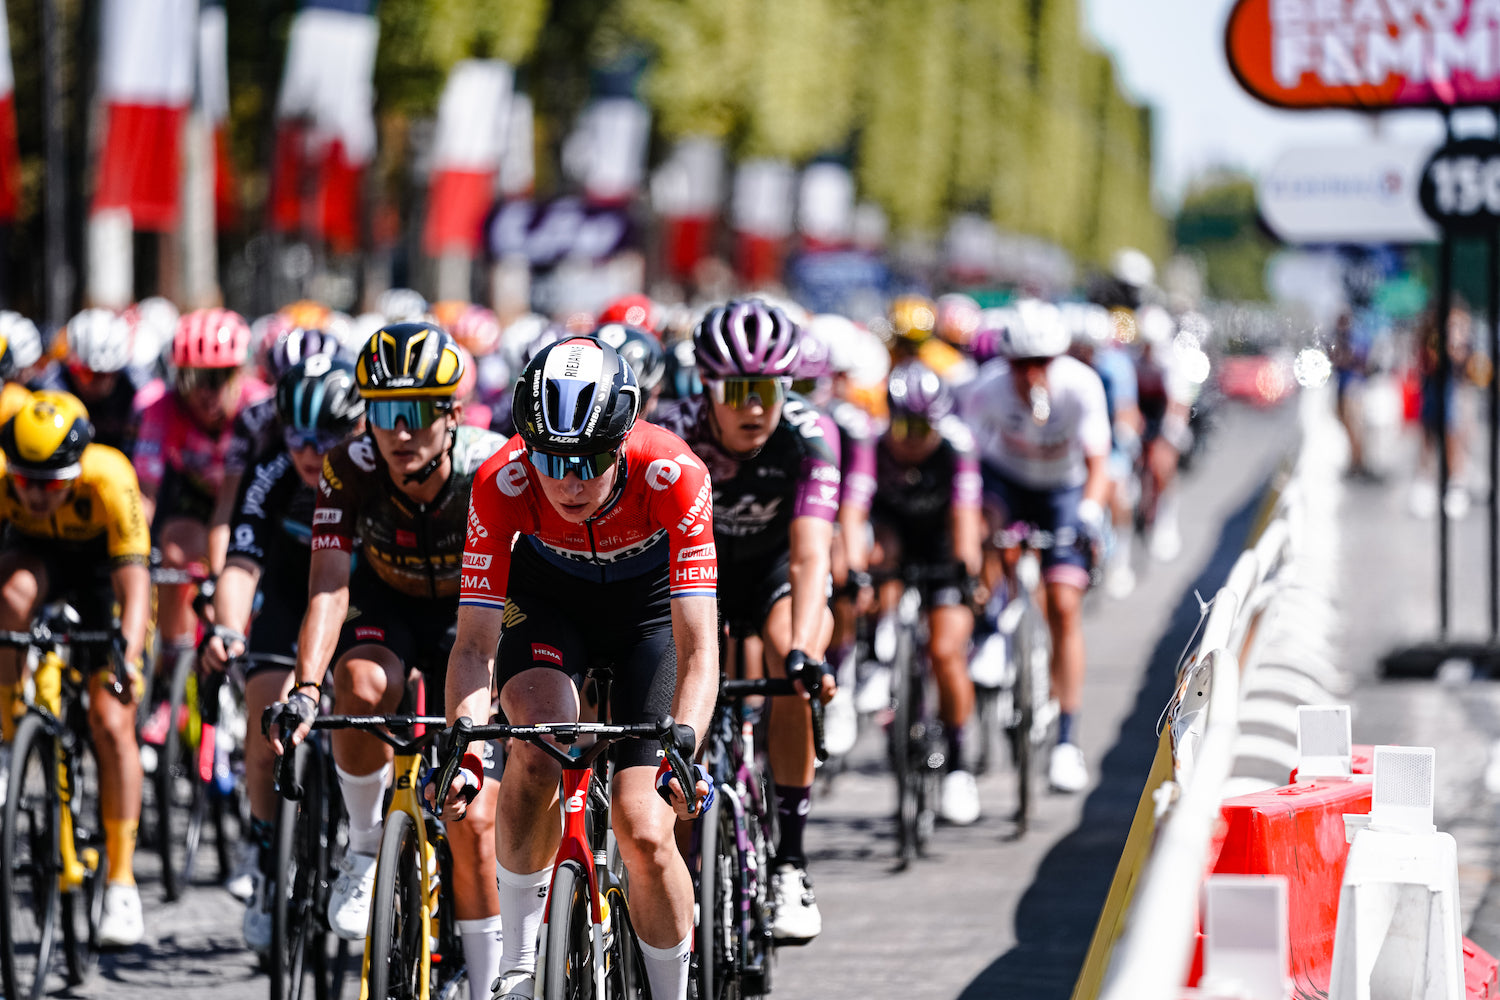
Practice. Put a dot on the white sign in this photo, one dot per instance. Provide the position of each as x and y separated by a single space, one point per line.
1347 194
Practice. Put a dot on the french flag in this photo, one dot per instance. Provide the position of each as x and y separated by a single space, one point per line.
213 96
471 132
325 121
10 152
146 83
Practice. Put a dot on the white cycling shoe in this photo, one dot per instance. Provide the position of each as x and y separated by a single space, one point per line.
256 925
514 986
873 693
1067 772
244 871
960 798
349 902
798 920
840 724
122 924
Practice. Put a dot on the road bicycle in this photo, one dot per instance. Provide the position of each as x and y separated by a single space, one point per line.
734 945
53 867
587 949
412 950
1021 705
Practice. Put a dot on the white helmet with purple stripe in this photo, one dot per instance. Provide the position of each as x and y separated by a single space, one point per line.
745 338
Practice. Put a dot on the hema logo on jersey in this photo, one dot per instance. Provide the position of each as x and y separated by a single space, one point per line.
545 653
695 574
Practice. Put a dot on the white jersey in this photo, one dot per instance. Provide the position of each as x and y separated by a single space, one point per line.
1050 455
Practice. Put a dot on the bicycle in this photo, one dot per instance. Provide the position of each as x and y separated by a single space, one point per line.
412 950
53 868
588 949
734 943
1021 704
918 751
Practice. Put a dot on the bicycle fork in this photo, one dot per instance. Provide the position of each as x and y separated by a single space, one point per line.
404 798
574 847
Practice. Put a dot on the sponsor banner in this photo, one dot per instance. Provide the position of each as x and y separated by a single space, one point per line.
1460 187
1363 193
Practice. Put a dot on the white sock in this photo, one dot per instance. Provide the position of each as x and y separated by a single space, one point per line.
1124 540
481 938
364 794
1166 510
667 969
523 901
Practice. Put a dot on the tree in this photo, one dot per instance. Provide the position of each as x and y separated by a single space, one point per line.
1218 219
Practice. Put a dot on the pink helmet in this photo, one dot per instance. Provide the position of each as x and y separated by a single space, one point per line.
477 331
211 338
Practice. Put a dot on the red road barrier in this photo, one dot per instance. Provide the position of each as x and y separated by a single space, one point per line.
1362 762
1481 971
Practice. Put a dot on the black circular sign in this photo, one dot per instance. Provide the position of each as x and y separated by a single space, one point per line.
1460 187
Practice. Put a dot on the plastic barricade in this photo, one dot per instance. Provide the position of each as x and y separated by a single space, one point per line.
1362 761
1481 971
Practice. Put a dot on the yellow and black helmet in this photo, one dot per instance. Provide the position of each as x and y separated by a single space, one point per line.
45 440
403 360
913 318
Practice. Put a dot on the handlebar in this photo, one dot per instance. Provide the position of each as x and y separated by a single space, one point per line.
812 679
375 725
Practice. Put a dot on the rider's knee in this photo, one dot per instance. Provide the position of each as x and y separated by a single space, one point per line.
530 771
111 721
20 593
645 836
359 682
183 541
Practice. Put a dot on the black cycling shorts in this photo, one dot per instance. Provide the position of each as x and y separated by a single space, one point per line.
749 588
418 630
77 572
178 498
283 602
563 622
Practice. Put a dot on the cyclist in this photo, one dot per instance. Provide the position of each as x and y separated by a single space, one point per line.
75 530
926 514
317 407
256 429
180 453
1165 399
100 350
615 560
20 348
643 352
913 320
1043 435
775 466
1092 328
402 489
635 310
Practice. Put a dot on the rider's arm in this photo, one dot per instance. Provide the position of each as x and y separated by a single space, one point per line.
327 607
129 541
132 584
234 595
811 541
695 630
856 492
1096 487
149 456
472 663
218 524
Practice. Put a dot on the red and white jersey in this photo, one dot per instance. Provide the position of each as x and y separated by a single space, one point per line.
659 521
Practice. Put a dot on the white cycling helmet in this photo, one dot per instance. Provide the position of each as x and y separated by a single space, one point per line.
1036 330
1154 324
1132 267
840 336
1088 323
401 305
100 340
22 338
359 331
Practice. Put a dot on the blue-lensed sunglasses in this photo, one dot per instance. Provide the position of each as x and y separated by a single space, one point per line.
320 441
583 466
418 413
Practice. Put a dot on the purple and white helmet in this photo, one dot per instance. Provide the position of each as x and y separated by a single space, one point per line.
297 345
917 391
745 338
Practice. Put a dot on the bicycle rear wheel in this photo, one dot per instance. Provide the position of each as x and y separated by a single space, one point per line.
181 796
907 778
569 968
30 896
83 908
397 934
299 866
1022 718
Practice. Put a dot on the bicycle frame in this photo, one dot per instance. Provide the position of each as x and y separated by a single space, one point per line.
575 847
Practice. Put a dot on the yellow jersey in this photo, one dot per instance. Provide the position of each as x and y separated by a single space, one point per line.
105 500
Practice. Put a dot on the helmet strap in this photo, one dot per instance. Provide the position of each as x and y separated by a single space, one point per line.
425 472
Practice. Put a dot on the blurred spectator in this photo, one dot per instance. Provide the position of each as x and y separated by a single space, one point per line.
1349 373
1446 430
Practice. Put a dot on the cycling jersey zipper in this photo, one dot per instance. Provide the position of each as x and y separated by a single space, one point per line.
425 549
594 550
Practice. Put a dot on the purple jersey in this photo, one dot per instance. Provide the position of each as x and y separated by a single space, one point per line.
795 475
857 447
918 500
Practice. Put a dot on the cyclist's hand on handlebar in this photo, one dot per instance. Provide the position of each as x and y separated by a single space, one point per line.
669 789
461 791
219 647
809 673
287 723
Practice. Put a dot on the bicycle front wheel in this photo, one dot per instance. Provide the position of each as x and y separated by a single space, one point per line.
83 908
906 770
569 968
398 936
181 796
1023 717
30 896
300 865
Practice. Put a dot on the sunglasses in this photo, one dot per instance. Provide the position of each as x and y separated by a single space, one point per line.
738 393
583 466
34 484
1030 362
418 413
904 426
213 379
319 441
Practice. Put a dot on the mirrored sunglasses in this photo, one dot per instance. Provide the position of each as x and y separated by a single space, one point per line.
320 441
38 484
905 426
418 413
583 466
738 393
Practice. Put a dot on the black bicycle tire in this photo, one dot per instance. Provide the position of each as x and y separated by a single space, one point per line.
902 668
81 930
30 738
626 973
172 757
449 942
566 929
706 941
332 824
761 832
296 931
394 887
1022 717
986 724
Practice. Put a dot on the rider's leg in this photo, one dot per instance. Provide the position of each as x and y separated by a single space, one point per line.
112 723
789 736
948 649
526 820
263 688
25 583
184 542
367 680
1065 618
661 891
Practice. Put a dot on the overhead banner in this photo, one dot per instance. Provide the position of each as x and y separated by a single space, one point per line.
1369 54
1364 193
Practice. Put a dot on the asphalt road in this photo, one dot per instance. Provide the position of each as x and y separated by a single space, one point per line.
985 916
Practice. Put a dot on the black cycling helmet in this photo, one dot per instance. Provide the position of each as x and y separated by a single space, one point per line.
318 394
409 360
576 397
640 349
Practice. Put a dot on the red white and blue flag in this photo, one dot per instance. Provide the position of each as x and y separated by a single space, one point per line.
10 152
471 132
326 123
146 58
213 99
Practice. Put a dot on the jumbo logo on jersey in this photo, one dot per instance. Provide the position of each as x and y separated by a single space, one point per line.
572 371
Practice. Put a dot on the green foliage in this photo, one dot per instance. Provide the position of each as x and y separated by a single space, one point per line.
802 76
1218 219
703 51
